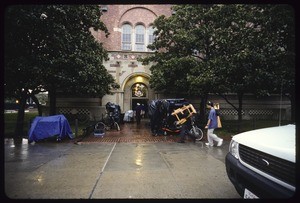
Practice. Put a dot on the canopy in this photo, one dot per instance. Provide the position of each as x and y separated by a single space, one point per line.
49 126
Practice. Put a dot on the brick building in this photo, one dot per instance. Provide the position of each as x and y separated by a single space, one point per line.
130 28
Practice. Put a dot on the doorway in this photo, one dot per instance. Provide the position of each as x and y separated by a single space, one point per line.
143 102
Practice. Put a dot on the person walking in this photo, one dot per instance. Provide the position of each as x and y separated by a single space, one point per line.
212 124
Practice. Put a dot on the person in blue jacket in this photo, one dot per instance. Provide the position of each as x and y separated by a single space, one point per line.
212 124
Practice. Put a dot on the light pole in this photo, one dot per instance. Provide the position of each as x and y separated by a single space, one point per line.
43 16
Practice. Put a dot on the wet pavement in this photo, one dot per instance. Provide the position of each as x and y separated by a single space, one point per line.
131 132
129 164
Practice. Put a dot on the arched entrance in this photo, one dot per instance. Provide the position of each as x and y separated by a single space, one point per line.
139 94
136 89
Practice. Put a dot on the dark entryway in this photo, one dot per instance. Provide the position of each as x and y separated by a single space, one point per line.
143 102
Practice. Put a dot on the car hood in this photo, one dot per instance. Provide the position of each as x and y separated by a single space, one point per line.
278 141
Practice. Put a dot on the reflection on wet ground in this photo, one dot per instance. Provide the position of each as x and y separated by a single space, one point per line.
131 132
131 164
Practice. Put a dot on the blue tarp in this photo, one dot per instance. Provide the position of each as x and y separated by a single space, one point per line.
49 126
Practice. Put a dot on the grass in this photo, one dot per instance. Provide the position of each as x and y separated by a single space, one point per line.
10 122
229 127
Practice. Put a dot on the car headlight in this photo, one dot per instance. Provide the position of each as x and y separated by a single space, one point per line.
234 148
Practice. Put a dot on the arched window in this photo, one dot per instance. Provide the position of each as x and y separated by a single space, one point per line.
139 38
126 37
150 36
139 90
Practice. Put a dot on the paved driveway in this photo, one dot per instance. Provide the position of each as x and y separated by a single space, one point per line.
91 170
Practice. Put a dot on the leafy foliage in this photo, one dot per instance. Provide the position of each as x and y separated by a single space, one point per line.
51 48
234 48
55 47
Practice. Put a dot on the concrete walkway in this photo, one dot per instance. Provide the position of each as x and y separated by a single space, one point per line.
117 169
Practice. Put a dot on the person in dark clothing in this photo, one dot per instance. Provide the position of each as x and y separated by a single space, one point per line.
155 116
138 110
185 131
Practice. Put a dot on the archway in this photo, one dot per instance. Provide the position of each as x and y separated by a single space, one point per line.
132 84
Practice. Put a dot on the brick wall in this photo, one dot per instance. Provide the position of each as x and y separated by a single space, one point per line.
117 15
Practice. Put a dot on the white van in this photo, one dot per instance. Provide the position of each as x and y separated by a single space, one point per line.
262 163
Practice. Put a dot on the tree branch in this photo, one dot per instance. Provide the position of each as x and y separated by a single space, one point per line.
226 99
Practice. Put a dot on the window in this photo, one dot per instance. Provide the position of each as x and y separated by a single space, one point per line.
150 36
139 38
136 39
126 37
139 90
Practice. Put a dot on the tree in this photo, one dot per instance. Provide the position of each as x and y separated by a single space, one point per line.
19 60
73 56
226 49
254 51
281 26
50 47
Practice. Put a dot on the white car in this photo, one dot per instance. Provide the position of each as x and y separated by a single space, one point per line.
262 163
